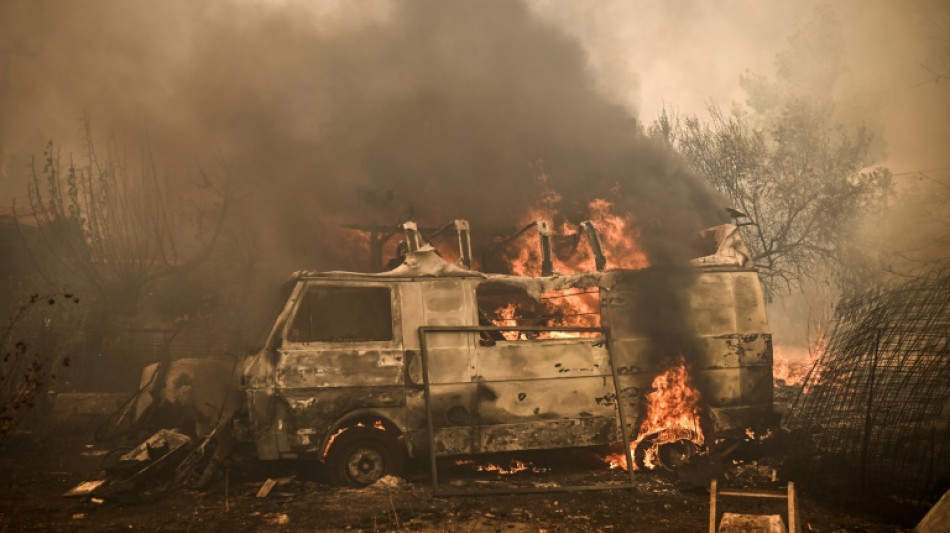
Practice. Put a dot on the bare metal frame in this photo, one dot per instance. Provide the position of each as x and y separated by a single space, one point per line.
424 331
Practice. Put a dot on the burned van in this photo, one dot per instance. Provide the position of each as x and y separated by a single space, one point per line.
434 359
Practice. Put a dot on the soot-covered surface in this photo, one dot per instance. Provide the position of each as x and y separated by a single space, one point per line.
38 467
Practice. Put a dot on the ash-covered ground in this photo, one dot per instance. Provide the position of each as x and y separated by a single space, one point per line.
39 465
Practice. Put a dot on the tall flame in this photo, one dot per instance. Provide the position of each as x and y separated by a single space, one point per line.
619 236
572 308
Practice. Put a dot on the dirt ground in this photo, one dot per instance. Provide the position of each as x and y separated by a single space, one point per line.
38 466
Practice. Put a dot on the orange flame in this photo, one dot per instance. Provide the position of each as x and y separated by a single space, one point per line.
620 238
573 308
672 415
791 366
507 316
618 235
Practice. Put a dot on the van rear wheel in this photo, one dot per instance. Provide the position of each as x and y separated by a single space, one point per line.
360 456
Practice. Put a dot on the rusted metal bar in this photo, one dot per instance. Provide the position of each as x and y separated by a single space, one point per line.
463 232
593 238
569 294
544 236
424 355
620 414
465 242
463 329
529 380
379 235
413 239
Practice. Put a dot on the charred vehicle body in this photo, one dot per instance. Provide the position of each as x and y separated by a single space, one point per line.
366 370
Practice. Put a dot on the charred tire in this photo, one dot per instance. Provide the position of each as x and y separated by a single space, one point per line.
360 456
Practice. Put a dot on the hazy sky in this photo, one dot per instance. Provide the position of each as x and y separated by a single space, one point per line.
644 54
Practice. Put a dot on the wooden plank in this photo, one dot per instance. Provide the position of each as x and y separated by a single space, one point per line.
84 488
754 494
712 506
266 488
938 518
793 525
746 523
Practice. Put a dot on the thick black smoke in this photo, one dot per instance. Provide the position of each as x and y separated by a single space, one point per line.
447 108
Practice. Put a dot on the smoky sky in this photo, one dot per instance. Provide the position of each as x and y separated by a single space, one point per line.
445 109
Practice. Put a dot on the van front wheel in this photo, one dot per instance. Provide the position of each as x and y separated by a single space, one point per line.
360 456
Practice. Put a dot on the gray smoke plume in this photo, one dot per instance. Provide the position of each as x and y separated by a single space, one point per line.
444 108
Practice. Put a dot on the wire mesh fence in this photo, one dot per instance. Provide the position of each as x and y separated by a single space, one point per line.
876 414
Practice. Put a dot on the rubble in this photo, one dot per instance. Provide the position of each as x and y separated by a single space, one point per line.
139 468
85 488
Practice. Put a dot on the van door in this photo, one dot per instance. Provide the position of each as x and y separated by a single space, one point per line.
441 302
342 351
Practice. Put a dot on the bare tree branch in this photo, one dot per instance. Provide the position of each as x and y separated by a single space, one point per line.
802 180
114 227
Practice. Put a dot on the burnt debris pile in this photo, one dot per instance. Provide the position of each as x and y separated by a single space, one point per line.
876 412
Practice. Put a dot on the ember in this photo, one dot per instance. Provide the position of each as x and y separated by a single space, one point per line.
514 466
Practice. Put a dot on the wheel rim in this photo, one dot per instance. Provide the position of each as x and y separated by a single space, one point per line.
365 465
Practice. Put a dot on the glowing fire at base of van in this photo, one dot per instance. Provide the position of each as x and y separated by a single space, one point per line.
670 433
514 466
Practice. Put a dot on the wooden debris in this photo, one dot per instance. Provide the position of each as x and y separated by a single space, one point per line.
938 519
266 488
85 488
